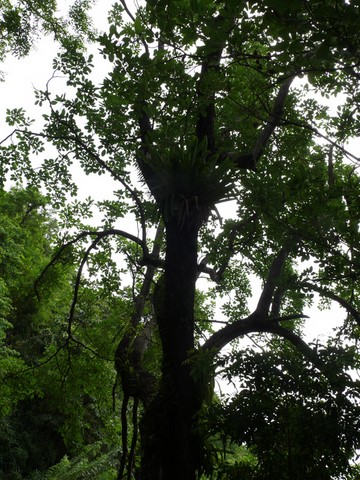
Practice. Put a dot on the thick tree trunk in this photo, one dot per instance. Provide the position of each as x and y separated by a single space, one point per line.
169 444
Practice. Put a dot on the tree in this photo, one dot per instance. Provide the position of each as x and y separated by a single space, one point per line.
26 233
294 421
43 417
203 102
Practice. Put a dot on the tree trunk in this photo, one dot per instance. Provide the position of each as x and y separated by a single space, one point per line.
169 444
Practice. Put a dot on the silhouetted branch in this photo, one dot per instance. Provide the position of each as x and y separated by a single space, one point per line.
225 335
77 283
231 236
267 294
328 294
249 160
99 235
299 344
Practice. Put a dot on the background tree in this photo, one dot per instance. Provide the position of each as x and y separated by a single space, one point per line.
54 394
203 101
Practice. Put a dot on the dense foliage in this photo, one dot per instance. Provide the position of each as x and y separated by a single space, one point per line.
229 201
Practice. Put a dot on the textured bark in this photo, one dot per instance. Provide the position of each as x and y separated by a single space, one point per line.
169 443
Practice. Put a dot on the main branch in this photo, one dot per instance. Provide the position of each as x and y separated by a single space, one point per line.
249 161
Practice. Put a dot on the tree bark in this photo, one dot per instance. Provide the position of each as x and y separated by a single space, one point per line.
169 444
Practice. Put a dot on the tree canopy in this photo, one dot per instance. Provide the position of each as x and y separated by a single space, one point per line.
23 21
231 168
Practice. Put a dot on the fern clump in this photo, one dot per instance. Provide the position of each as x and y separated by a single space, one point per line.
90 464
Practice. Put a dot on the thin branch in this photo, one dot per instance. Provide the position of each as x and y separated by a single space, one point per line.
273 120
286 318
231 241
33 367
136 380
243 159
80 143
77 284
16 130
145 45
328 294
306 126
123 3
90 233
216 275
86 347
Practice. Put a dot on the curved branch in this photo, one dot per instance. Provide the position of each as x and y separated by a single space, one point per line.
75 138
328 294
259 320
299 344
12 375
218 340
117 177
77 284
90 233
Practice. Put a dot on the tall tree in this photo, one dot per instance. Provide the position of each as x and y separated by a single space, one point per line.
204 102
